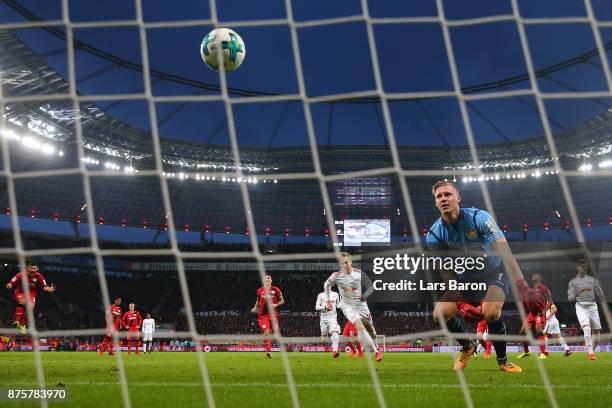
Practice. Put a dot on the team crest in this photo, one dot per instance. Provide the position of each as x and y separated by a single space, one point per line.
471 234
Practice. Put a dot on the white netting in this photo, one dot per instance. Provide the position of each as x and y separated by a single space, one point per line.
395 168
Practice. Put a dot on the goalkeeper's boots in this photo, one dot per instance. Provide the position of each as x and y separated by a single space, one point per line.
543 356
523 355
378 356
592 356
507 366
466 353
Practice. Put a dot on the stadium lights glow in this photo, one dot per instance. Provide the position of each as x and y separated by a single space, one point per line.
48 149
29 142
10 134
586 167
112 166
605 164
509 176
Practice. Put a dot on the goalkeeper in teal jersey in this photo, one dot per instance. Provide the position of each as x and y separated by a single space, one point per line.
473 229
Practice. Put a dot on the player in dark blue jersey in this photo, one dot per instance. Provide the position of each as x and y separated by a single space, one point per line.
472 229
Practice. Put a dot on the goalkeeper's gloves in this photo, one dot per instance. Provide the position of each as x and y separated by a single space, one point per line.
470 312
532 300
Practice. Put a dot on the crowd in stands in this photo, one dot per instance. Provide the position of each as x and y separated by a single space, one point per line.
221 301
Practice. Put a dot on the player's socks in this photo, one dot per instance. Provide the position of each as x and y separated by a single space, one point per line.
454 326
498 327
268 345
19 311
24 318
488 345
335 339
138 347
588 339
542 341
365 338
563 343
525 347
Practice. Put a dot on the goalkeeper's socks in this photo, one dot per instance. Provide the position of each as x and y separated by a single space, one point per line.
365 338
454 326
498 327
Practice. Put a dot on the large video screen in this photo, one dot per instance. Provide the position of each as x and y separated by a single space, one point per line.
360 232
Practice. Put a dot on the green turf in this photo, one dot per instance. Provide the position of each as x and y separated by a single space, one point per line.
250 380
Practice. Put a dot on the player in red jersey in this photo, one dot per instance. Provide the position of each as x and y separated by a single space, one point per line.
473 312
482 331
35 280
265 294
348 332
132 322
113 325
536 319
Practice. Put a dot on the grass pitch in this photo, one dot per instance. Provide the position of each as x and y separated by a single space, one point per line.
251 380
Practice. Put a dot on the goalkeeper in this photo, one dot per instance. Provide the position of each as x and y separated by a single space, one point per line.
460 228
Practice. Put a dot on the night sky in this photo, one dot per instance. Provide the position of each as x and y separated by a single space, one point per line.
336 59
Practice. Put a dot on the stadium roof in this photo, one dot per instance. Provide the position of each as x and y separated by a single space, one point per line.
294 204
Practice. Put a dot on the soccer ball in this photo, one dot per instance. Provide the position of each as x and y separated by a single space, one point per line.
232 47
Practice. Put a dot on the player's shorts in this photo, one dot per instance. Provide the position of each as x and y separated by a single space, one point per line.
132 334
482 326
349 330
499 279
355 313
20 296
147 336
328 326
552 326
587 314
265 323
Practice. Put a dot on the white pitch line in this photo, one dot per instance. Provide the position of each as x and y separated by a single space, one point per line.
312 385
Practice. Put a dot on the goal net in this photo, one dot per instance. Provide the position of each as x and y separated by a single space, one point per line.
331 134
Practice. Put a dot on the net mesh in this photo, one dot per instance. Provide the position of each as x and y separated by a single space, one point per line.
317 174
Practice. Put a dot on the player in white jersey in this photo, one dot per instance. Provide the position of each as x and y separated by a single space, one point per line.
329 319
585 290
553 330
354 307
148 327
